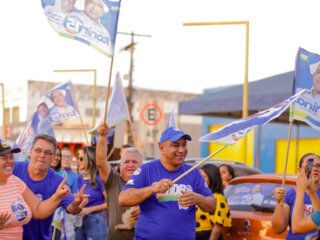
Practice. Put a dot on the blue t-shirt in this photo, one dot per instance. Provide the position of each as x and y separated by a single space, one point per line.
308 209
95 193
316 217
164 218
43 189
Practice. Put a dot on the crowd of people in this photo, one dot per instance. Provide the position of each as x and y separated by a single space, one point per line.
43 198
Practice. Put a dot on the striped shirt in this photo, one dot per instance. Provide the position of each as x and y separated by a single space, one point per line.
11 201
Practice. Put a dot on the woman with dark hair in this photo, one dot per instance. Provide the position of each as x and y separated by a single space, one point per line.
307 199
227 173
56 161
93 217
209 226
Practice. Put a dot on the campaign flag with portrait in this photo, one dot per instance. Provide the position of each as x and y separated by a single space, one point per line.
57 105
93 22
307 76
234 131
118 110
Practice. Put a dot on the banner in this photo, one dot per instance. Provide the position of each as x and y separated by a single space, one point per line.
93 22
57 105
307 76
236 130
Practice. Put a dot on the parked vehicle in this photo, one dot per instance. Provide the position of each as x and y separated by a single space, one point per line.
252 202
241 169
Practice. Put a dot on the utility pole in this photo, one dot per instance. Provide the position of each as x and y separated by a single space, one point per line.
131 47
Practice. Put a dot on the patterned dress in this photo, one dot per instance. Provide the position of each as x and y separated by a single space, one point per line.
205 221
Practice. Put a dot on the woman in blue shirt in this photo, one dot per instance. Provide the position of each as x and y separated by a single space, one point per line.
93 216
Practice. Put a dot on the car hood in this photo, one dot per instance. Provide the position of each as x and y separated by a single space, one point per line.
251 226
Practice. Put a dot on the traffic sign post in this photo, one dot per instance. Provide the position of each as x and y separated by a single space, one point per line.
151 120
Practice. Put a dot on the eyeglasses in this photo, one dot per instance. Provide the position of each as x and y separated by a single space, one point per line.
317 166
80 159
47 153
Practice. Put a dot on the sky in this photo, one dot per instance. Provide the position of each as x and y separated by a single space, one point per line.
175 57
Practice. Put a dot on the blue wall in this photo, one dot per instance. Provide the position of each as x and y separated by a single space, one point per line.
269 134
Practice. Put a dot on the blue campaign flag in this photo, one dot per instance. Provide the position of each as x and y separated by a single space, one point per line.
57 105
91 22
118 110
236 130
172 120
307 76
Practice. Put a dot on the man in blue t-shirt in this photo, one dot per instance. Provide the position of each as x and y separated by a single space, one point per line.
43 182
167 207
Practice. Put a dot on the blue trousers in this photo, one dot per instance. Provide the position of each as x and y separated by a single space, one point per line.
94 226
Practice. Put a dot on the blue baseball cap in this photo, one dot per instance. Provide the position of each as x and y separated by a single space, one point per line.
173 134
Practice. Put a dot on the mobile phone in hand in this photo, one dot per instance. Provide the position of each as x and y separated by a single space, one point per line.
309 167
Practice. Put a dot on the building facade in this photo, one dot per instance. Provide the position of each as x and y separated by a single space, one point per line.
150 113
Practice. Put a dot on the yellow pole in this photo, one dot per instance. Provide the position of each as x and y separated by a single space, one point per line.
3 111
245 84
94 87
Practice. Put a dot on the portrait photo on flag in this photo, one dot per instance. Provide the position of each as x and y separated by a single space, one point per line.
93 22
57 105
62 103
307 76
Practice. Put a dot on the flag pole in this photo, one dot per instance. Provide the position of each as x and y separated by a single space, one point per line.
199 163
74 97
84 131
132 132
287 153
108 91
110 153
136 142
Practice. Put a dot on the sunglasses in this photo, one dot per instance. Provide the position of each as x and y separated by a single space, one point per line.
80 159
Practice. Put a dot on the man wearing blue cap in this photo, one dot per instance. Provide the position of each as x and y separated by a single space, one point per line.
167 209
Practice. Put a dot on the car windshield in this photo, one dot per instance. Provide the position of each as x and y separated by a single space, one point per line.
252 196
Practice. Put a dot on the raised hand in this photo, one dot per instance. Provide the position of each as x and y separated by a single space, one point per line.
63 189
103 130
80 198
279 194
